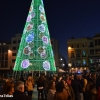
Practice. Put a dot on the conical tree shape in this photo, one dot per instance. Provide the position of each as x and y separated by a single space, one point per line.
35 50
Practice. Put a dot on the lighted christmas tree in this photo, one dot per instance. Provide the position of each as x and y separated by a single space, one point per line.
35 51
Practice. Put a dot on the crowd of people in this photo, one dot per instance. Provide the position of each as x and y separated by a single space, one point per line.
70 87
55 87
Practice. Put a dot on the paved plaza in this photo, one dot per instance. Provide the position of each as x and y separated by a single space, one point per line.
35 93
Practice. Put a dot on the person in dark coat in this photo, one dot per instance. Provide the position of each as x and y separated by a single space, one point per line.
19 92
76 88
40 87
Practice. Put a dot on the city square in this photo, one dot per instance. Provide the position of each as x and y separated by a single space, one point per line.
52 51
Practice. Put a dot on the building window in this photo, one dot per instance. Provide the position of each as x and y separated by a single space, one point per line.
2 56
78 53
83 53
6 56
14 42
72 54
77 45
78 63
14 48
92 61
13 54
6 63
91 44
97 51
3 50
72 46
83 45
6 49
98 41
95 42
2 64
13 60
92 51
84 62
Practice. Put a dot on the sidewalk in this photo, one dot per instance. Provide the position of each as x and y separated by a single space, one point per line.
35 93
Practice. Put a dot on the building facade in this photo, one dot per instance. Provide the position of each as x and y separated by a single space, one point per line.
84 52
4 55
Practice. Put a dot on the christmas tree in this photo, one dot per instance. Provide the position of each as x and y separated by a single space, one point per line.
35 51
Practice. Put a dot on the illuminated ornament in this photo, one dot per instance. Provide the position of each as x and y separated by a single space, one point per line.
27 50
31 44
30 37
41 35
31 64
41 28
45 39
29 27
42 2
43 55
19 53
24 32
25 63
40 50
52 53
46 65
42 18
31 55
32 14
29 18
41 9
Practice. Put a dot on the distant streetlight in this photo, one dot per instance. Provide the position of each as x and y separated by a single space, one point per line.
9 51
63 65
69 48
61 59
69 65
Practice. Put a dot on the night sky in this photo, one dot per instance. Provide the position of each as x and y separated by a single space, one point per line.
66 19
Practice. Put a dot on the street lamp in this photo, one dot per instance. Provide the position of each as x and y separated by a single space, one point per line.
69 67
69 48
9 51
61 59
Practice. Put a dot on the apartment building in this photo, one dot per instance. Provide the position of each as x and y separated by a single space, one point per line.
4 54
84 52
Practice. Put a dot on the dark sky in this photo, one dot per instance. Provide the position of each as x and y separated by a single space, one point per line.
66 19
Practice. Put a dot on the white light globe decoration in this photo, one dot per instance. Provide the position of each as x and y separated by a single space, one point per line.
46 65
25 63
27 50
41 28
45 39
41 9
